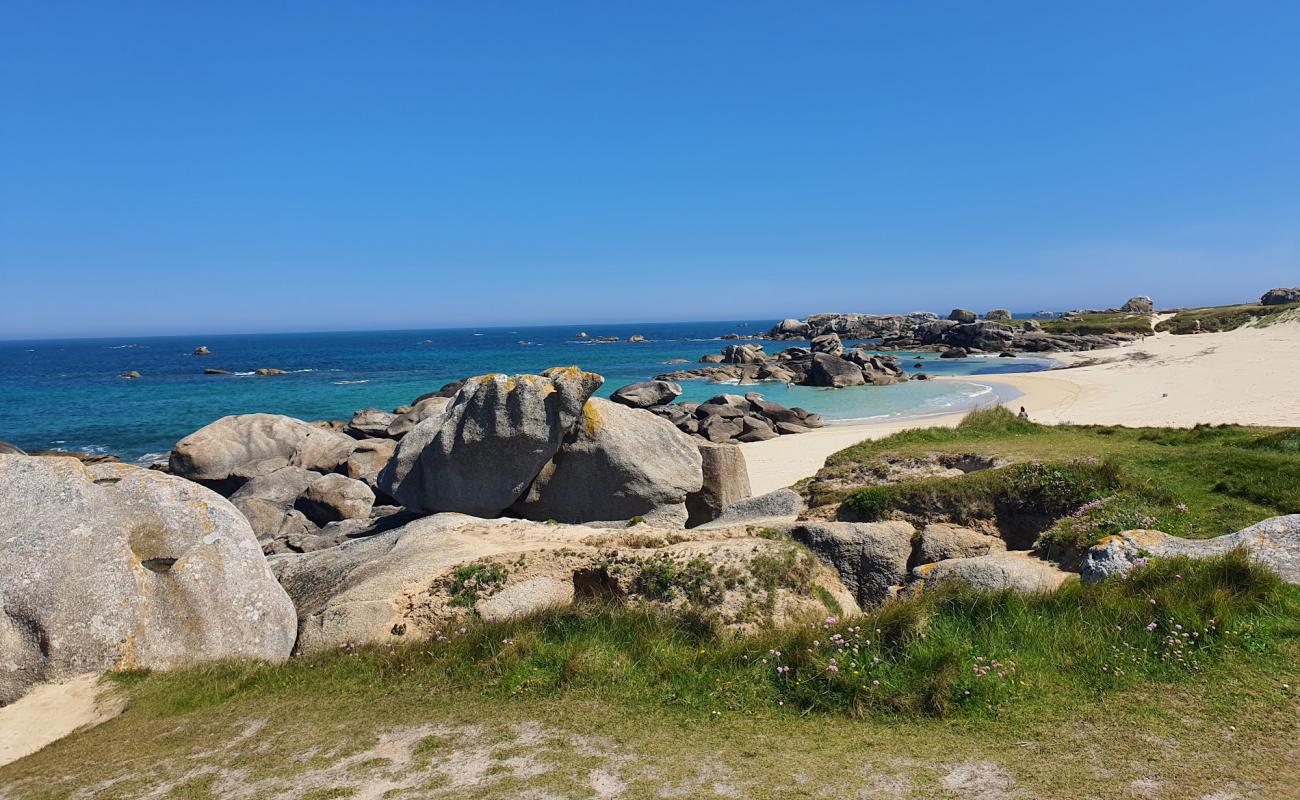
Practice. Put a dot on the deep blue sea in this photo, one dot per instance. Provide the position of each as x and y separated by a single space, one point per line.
67 394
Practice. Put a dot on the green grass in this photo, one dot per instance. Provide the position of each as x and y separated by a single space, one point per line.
1086 482
1222 318
1093 324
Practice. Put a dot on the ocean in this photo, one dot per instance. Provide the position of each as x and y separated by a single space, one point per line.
67 394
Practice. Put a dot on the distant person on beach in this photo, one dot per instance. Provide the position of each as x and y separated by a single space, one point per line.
1023 413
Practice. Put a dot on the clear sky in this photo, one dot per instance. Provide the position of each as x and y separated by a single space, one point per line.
186 167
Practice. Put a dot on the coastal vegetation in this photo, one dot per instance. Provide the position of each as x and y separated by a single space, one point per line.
1067 486
1224 318
1093 323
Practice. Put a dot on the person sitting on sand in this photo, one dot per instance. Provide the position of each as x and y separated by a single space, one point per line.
1023 413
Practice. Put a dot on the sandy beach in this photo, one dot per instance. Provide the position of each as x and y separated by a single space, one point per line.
1236 377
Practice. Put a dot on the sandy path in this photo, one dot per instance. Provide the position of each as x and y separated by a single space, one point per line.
1246 376
51 712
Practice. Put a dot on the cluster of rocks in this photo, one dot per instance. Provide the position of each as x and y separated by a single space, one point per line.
724 419
826 362
586 338
961 330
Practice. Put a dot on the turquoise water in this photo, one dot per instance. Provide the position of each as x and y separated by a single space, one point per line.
66 394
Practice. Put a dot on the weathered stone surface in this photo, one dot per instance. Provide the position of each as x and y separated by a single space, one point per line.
831 371
526 597
1279 297
647 393
1138 305
420 411
940 541
964 315
1015 571
231 450
619 463
774 508
481 455
7 449
370 422
998 313
266 500
112 566
871 557
1275 543
336 497
395 585
726 480
369 459
829 344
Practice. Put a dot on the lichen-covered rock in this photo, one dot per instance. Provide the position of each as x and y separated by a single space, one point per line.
482 454
1274 543
871 557
1014 571
726 480
940 541
228 452
619 463
111 566
1279 297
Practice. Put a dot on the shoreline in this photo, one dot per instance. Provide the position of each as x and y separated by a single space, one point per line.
1164 380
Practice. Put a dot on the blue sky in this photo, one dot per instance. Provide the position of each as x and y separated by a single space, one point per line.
180 167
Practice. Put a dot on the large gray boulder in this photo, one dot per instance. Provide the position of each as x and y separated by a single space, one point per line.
963 315
1014 571
370 422
1279 297
421 410
832 371
228 452
940 541
780 507
647 393
829 344
112 566
334 498
619 463
1274 543
998 314
870 557
726 480
266 500
480 456
1138 305
369 459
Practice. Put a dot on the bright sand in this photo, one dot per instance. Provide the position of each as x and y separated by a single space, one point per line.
52 711
1245 376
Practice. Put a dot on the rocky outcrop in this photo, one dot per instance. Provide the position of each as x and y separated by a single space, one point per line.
1138 305
834 372
1280 297
732 419
726 481
964 315
368 459
618 463
941 541
1009 571
870 557
228 452
1274 543
420 410
647 393
481 455
369 422
112 566
998 314
415 581
924 331
267 502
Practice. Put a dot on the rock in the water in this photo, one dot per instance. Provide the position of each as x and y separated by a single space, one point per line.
829 344
481 455
726 480
870 557
369 459
1138 305
421 410
112 566
1017 572
955 352
231 450
270 371
1274 543
832 371
619 463
335 497
212 371
941 541
129 375
202 350
998 314
1279 297
647 393
963 315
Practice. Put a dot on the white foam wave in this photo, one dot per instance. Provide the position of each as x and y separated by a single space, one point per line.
349 383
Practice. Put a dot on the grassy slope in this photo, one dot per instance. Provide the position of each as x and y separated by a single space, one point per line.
1199 482
1221 318
1100 323
571 701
